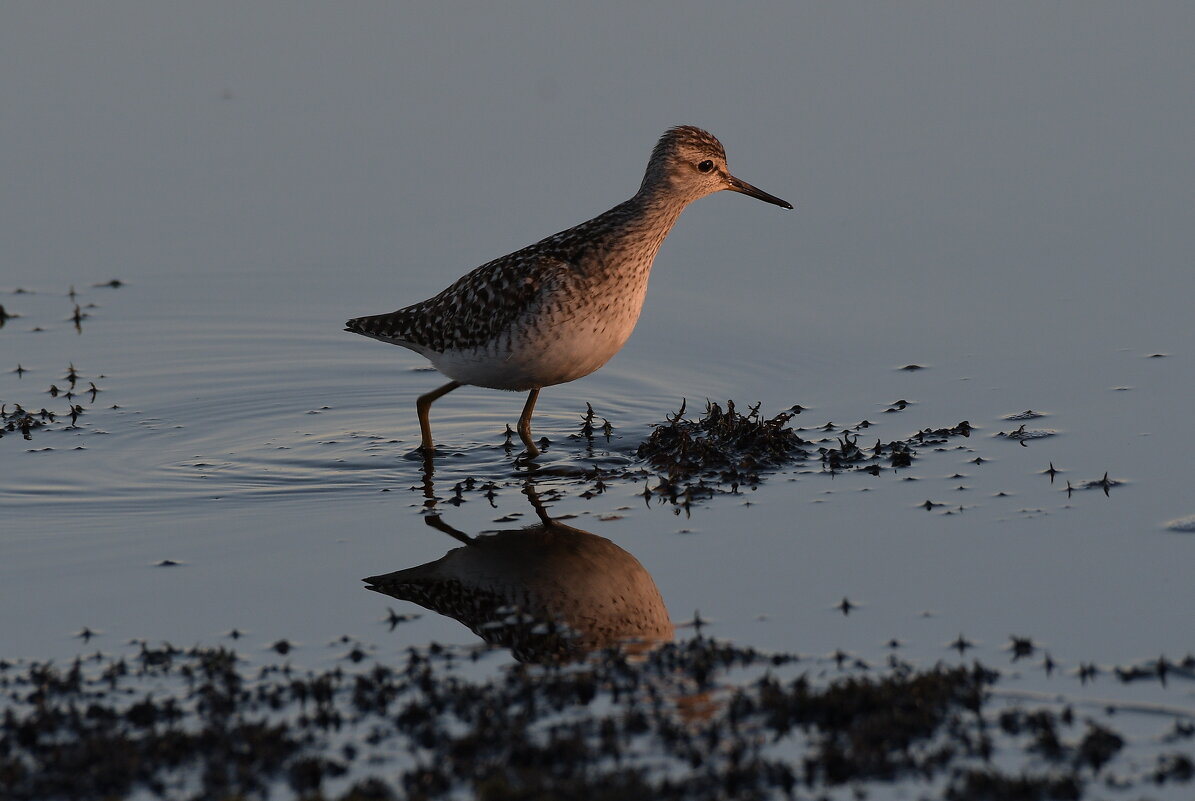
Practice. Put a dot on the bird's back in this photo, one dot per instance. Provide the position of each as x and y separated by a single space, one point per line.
548 313
473 311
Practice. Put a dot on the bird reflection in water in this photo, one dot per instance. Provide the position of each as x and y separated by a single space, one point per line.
548 592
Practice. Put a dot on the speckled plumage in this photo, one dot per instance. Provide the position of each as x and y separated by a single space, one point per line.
557 310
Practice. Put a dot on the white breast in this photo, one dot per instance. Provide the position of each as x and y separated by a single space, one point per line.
567 337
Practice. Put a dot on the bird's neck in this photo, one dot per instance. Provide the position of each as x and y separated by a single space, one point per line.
623 240
650 216
658 204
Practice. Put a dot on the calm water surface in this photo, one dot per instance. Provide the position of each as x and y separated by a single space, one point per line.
264 450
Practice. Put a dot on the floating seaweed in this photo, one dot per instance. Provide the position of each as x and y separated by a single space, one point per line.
1023 434
725 450
724 446
16 418
589 430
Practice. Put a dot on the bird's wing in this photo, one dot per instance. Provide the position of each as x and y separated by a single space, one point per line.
476 309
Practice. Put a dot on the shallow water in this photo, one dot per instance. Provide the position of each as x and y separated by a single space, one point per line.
1010 246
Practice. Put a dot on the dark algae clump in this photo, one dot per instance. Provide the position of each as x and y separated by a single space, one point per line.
14 418
695 719
723 445
725 450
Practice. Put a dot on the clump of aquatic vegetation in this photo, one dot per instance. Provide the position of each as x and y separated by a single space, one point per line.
723 445
725 450
696 719
23 419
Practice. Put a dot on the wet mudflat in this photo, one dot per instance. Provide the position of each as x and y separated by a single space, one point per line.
696 719
893 493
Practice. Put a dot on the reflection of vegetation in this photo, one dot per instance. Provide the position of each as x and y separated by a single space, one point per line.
670 725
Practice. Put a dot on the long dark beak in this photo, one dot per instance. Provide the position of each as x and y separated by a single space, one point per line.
759 194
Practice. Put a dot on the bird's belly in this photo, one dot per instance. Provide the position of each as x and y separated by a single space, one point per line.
554 349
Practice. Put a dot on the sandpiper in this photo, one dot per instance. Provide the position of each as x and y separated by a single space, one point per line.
559 309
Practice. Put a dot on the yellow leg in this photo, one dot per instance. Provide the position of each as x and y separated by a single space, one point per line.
525 424
423 405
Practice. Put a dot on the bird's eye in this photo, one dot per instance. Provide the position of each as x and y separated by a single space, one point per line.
705 166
